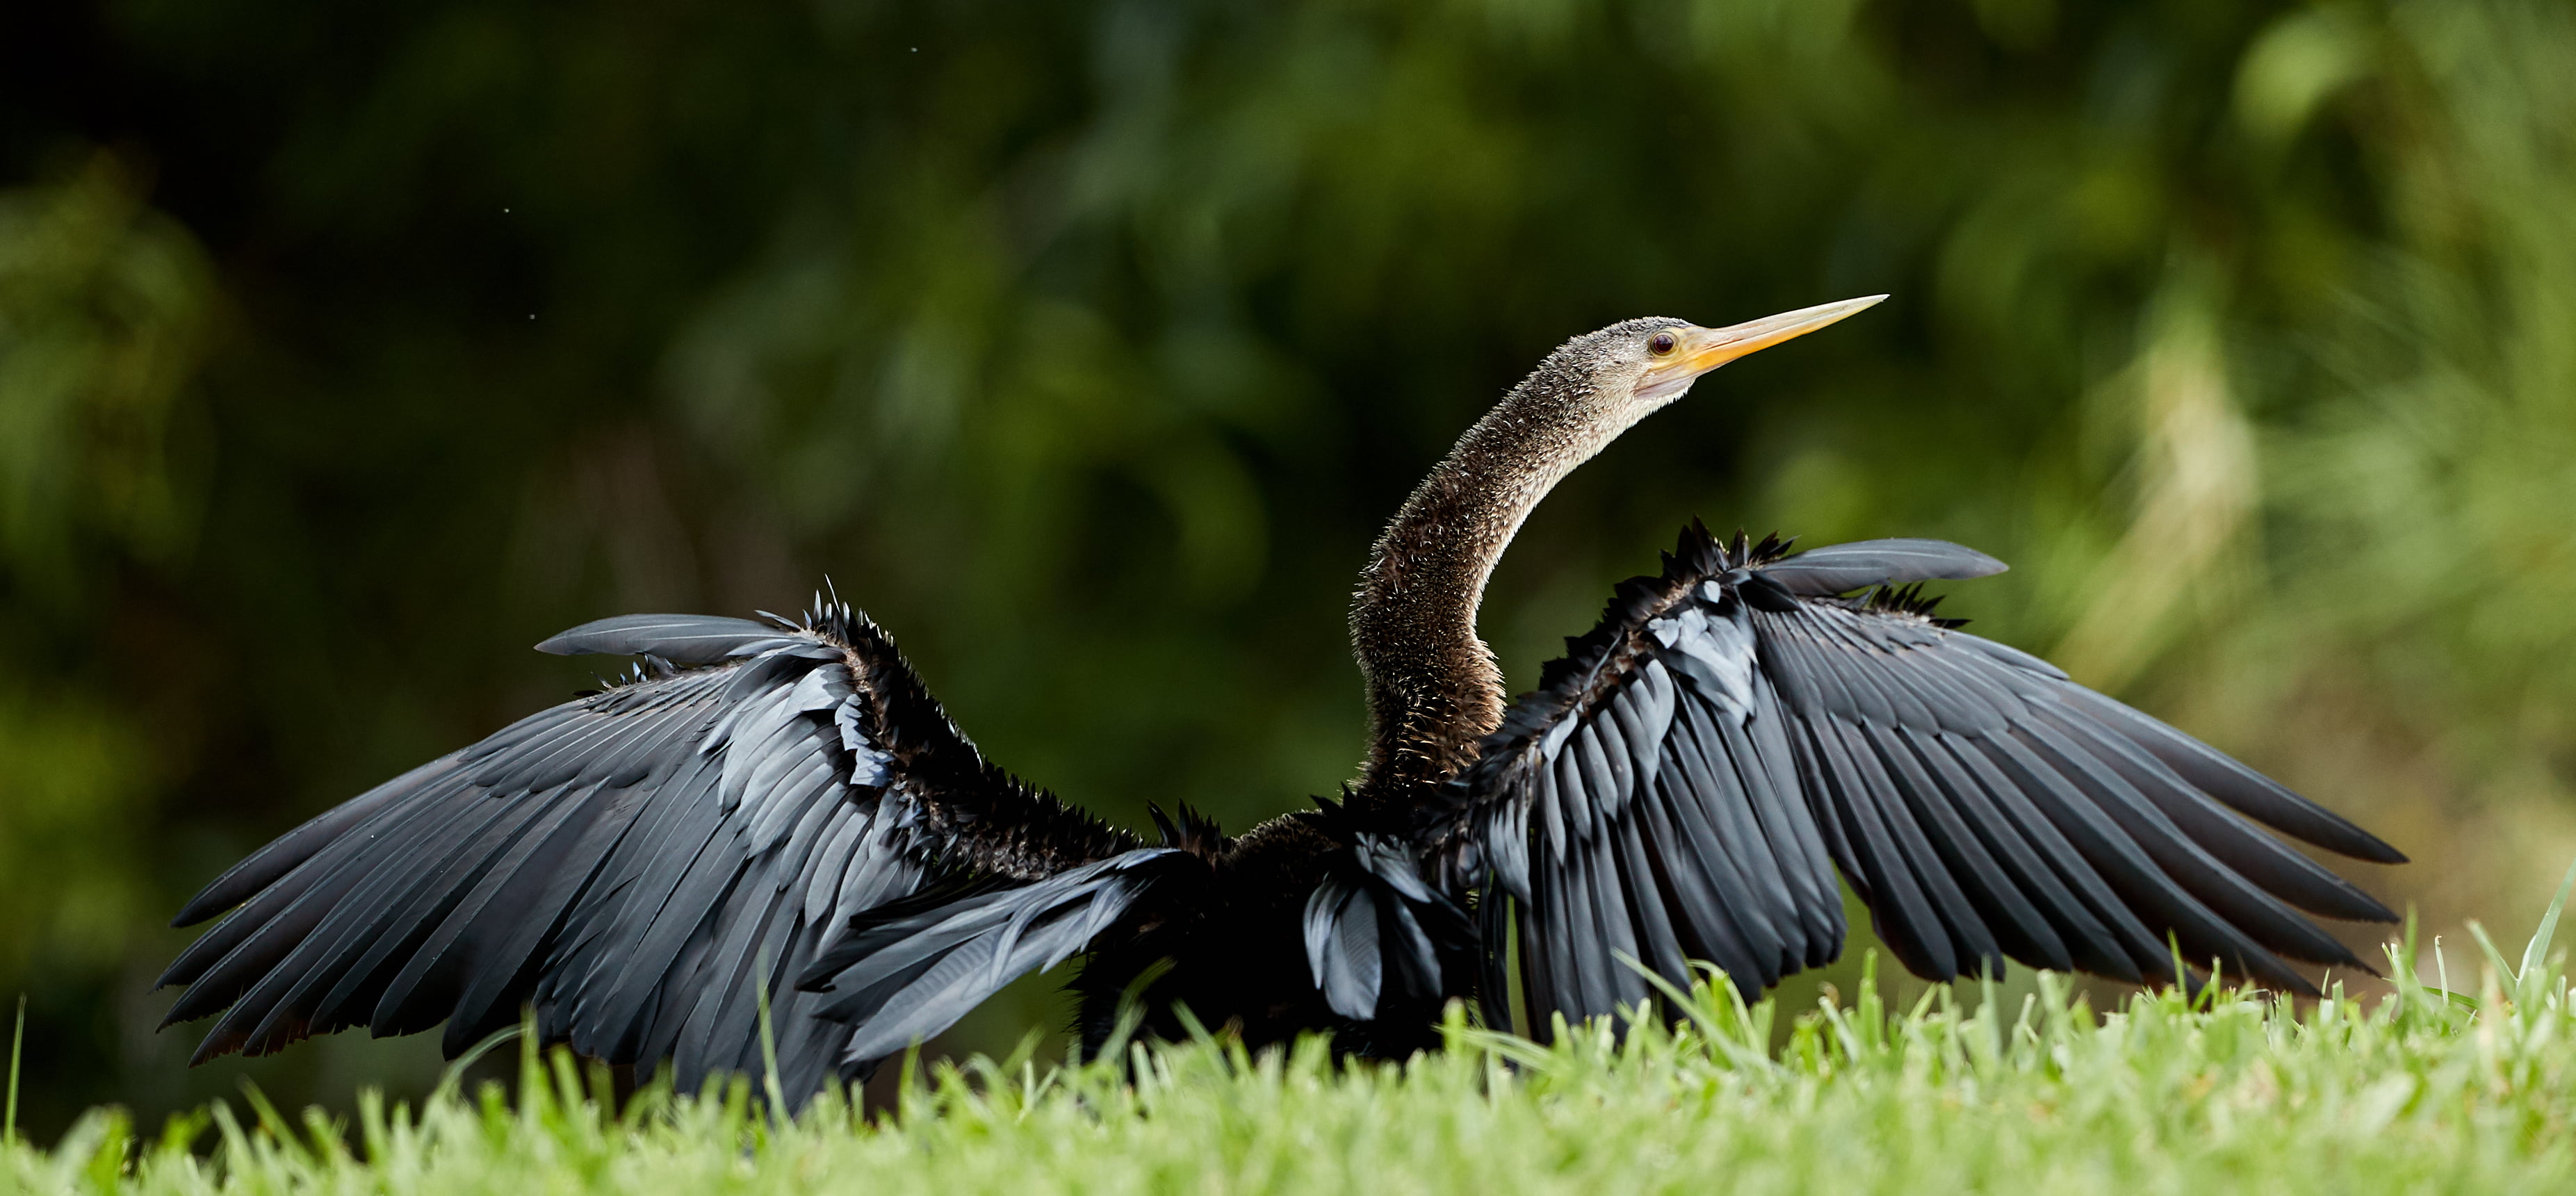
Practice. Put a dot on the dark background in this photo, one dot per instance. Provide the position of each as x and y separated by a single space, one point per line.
346 350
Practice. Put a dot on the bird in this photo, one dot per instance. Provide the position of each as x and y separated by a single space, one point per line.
771 828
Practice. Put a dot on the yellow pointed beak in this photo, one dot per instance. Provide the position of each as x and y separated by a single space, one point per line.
1705 349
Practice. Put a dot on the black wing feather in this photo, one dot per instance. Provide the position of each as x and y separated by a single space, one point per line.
1941 807
680 639
1378 940
899 980
1842 568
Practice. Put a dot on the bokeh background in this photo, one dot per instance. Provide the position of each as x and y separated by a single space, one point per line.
346 350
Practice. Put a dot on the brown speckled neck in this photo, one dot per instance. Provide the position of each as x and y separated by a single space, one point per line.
1433 686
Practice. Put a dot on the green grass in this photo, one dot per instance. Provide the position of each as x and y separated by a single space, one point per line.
2423 1090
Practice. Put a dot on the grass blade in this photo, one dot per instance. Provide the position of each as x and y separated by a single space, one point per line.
2504 970
452 1079
2538 949
17 1042
769 1084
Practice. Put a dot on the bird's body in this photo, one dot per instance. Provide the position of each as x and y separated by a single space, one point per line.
783 809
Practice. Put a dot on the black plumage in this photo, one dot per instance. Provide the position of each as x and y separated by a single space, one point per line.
1981 805
779 812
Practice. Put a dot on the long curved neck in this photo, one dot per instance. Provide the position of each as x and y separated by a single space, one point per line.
1433 686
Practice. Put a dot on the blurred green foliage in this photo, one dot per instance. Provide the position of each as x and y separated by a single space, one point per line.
345 350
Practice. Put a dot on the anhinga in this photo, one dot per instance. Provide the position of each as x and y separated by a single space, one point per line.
783 808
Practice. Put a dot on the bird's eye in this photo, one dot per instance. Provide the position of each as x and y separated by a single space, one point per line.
1662 344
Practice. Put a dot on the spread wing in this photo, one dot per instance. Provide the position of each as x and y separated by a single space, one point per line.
1686 783
639 865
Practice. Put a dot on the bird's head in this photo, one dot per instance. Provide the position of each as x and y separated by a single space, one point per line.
1618 375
